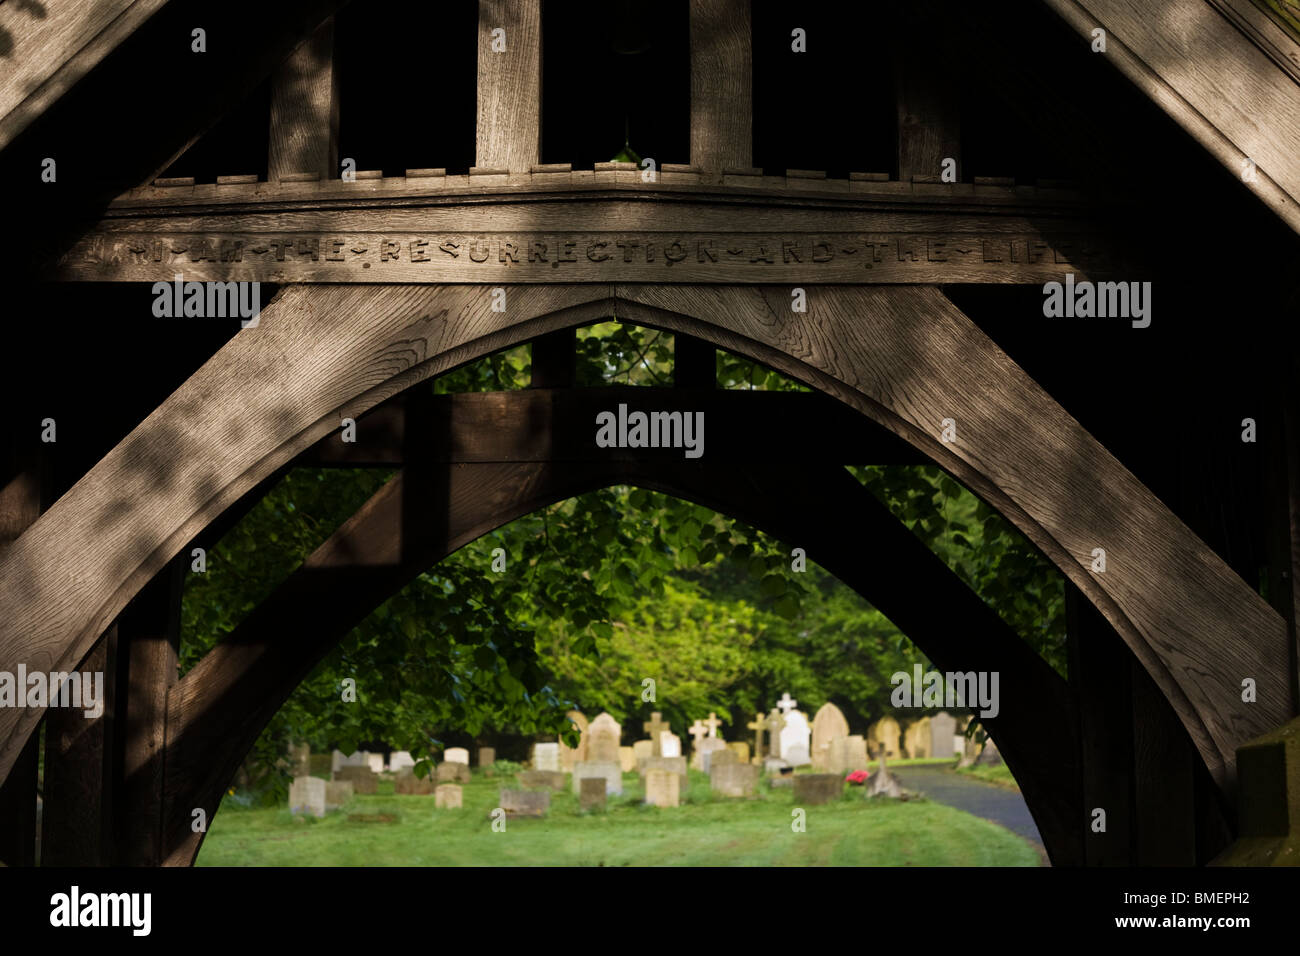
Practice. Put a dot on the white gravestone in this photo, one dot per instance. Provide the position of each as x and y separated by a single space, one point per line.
546 756
399 760
794 739
456 755
670 745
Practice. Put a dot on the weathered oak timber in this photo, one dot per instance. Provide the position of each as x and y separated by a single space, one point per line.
722 86
222 704
929 128
1223 89
624 234
545 424
509 85
305 110
904 356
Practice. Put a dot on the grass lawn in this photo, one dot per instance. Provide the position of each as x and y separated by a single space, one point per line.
706 830
997 774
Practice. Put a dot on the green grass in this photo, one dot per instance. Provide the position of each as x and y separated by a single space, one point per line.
997 774
707 830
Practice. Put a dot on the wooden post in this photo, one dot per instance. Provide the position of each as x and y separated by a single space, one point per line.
305 110
148 642
722 85
509 85
1164 796
928 127
694 363
76 827
555 359
1100 674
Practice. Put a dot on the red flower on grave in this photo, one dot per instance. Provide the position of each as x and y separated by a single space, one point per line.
857 777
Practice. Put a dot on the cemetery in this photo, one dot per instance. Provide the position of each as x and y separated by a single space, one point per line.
416 551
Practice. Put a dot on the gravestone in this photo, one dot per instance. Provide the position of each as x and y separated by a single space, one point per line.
603 736
883 735
781 781
816 788
883 783
846 754
339 760
989 756
653 727
774 765
643 750
794 739
698 732
448 796
662 787
487 756
724 756
300 760
675 765
827 725
709 745
307 796
546 756
670 745
363 779
734 779
759 726
408 784
606 770
453 772
741 750
775 722
550 779
943 729
592 794
787 703
571 755
400 760
627 759
526 803
917 738
456 755
713 724
375 762
337 794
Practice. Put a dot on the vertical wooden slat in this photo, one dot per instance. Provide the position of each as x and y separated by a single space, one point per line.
722 84
928 119
1163 784
509 86
305 109
76 827
148 642
1100 678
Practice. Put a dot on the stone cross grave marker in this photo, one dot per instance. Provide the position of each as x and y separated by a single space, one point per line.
787 703
775 723
698 732
758 725
655 726
713 724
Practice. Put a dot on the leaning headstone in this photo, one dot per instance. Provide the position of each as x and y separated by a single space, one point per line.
989 756
448 796
338 793
408 784
827 725
363 779
794 739
307 796
883 783
943 729
546 756
846 754
526 803
917 738
456 755
707 747
549 779
662 788
734 779
400 760
670 745
453 772
487 756
627 759
571 755
883 736
741 749
603 735
643 750
606 770
591 795
816 788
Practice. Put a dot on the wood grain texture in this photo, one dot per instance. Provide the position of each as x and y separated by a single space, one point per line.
722 86
929 127
219 708
1222 88
509 127
52 45
305 110
904 356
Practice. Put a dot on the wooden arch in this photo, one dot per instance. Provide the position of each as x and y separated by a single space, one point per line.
904 355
